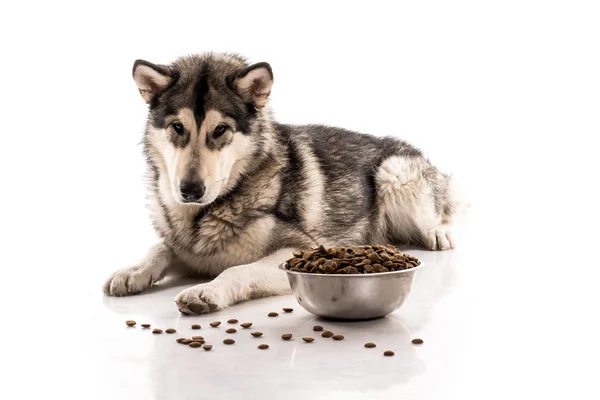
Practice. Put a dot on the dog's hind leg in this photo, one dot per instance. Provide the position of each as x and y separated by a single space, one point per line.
416 202
236 284
141 276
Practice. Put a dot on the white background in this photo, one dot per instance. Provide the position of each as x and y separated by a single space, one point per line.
505 95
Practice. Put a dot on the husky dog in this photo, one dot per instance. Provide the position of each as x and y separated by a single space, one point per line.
233 193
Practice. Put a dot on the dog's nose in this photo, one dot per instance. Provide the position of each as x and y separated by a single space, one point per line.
191 191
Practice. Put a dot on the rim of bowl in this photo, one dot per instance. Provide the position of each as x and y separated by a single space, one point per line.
404 271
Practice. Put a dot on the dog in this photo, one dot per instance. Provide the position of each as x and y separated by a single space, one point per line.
233 193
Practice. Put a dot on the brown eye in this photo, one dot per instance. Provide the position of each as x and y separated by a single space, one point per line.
177 127
220 130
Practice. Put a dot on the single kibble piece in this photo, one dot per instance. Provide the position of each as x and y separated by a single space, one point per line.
145 325
308 339
232 321
246 325
263 346
327 334
207 347
388 353
181 339
417 341
256 334
287 309
337 337
186 341
196 326
201 341
197 337
215 324
231 330
157 330
195 344
272 314
130 323
170 330
317 328
370 345
229 341
286 336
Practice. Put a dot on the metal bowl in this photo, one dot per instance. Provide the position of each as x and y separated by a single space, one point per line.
351 297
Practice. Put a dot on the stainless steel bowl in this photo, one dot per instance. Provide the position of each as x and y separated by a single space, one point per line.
351 297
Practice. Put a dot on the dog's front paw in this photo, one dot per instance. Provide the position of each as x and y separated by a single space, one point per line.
128 281
201 299
439 238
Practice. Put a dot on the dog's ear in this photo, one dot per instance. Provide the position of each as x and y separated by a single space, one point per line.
151 79
254 84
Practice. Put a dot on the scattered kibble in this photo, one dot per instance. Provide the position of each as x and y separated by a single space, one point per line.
146 325
337 337
308 339
197 337
388 353
231 330
215 324
207 347
273 314
417 341
180 340
170 330
317 328
157 330
256 334
327 334
246 325
196 326
232 321
195 344
263 346
186 341
286 336
287 309
229 341
370 345
130 323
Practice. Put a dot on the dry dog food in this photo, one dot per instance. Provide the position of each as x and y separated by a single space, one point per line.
327 334
286 336
273 314
197 337
231 330
388 353
317 328
308 339
263 346
215 324
337 337
287 309
417 341
145 325
256 334
186 341
229 341
130 323
170 330
157 330
370 345
207 347
195 344
246 325
201 341
196 326
232 321
181 339
351 260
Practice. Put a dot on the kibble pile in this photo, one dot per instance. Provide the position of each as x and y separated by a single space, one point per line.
351 260
198 341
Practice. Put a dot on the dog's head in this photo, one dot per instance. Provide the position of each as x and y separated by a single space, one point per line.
205 119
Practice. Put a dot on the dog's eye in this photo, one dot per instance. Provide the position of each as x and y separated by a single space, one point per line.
220 130
177 127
